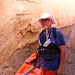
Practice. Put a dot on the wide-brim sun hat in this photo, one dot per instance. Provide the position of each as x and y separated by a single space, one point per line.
46 15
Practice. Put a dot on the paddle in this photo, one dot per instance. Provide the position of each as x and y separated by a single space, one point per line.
31 68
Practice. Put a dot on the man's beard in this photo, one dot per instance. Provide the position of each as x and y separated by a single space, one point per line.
45 25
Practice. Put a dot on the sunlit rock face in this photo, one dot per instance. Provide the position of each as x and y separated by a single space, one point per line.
18 25
62 10
71 41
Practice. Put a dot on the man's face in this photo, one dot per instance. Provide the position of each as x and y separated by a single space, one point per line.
46 23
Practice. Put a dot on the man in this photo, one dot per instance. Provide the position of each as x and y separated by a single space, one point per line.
51 52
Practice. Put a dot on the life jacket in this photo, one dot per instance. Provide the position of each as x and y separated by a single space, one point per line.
50 52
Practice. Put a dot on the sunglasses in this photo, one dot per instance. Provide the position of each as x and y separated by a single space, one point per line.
47 19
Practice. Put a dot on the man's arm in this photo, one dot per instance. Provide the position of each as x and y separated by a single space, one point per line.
62 59
38 60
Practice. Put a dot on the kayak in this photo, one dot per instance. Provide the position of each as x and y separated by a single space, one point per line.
29 68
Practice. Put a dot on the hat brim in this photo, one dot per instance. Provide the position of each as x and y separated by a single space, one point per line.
50 17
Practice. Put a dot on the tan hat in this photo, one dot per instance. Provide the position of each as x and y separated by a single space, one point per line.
46 15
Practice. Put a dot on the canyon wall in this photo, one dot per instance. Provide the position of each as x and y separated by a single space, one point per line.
71 41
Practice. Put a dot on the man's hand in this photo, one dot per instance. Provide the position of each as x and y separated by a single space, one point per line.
60 70
38 65
62 59
38 62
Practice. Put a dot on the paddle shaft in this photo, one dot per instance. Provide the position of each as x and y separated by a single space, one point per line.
30 69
